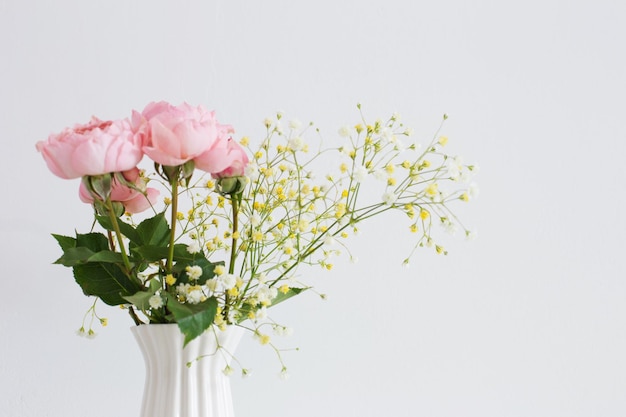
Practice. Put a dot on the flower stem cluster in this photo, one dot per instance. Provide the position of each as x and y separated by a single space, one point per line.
228 245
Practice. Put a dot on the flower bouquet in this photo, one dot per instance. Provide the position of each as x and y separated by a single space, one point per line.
221 246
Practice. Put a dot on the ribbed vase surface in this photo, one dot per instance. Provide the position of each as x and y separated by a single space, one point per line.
173 389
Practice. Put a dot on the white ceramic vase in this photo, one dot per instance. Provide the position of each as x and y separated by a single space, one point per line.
172 389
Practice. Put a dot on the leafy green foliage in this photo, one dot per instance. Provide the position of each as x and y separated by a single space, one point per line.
106 281
193 319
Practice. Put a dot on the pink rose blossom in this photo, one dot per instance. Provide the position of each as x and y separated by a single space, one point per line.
177 134
133 200
96 148
226 158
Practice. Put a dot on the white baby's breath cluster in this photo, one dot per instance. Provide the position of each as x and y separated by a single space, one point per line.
290 214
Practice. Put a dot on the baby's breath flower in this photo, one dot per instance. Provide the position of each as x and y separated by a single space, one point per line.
389 198
295 124
193 272
283 374
296 144
156 301
263 339
432 190
470 234
473 190
193 247
360 173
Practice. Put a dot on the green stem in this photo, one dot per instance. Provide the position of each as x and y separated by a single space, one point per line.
118 234
174 218
233 248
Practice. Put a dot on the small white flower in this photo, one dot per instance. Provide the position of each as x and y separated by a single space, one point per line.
212 284
252 171
283 374
262 278
282 330
329 240
465 176
450 227
296 144
255 219
389 198
182 289
227 281
360 173
398 144
344 131
155 301
194 296
193 247
381 175
470 234
295 124
228 370
473 190
261 313
194 272
387 134
265 295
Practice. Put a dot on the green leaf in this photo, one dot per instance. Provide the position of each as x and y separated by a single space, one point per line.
126 229
82 255
245 309
154 231
74 256
291 293
107 256
208 269
95 241
192 319
106 281
141 299
155 253
65 242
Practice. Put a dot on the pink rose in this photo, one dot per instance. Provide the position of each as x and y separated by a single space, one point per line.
96 148
226 158
133 200
177 134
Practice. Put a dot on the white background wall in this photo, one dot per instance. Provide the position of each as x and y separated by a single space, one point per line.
528 320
